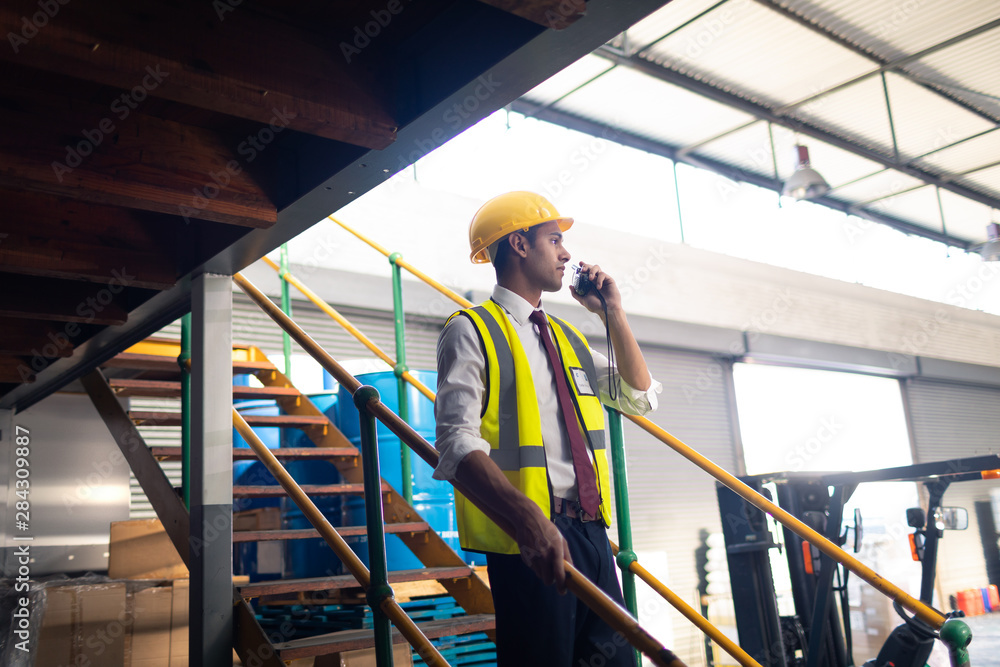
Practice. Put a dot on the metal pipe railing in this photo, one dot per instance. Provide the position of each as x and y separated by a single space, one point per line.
579 585
727 644
625 556
386 604
462 301
399 321
351 329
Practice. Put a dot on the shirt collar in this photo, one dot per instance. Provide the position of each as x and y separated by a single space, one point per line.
515 304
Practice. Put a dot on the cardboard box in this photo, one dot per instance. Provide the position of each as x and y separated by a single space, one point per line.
262 518
140 549
55 638
151 626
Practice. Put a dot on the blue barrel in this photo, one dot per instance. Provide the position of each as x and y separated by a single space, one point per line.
433 499
312 558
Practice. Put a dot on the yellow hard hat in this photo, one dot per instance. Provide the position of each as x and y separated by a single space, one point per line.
508 213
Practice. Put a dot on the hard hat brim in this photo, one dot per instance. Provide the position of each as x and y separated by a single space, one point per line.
482 256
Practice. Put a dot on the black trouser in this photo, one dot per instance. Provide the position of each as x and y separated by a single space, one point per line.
537 626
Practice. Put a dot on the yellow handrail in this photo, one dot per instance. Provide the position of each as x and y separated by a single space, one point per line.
351 329
579 585
727 644
924 612
460 300
389 606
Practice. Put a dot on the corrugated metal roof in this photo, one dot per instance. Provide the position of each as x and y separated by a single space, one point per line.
897 28
569 79
724 48
971 65
642 105
813 69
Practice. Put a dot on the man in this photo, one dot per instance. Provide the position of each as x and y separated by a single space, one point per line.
520 426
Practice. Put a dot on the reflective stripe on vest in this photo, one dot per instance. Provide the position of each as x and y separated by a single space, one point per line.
512 426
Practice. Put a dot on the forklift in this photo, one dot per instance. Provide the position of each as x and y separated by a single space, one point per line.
818 634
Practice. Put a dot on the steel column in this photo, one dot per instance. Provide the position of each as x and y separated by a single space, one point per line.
211 537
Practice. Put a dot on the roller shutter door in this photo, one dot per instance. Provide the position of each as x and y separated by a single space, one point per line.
956 421
672 501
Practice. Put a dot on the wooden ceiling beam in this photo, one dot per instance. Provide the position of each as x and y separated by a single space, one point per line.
239 64
33 338
54 300
29 254
15 369
139 162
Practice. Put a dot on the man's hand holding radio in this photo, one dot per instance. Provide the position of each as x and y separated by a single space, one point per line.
600 282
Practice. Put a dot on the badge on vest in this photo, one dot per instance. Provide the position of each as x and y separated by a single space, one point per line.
582 382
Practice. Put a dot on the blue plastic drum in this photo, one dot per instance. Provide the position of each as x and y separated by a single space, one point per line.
433 499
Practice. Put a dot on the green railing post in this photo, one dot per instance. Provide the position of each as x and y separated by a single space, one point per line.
286 308
182 361
625 556
956 635
401 388
379 588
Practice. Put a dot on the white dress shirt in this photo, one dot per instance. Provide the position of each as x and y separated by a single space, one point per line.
460 393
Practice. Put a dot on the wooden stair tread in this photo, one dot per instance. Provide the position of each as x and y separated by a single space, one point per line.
172 389
162 418
275 491
308 533
350 640
245 453
279 587
157 362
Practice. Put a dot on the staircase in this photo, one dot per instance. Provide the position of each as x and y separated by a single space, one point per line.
150 369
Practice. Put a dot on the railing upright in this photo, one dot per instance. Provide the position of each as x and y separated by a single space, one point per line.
401 390
625 555
184 362
378 590
286 308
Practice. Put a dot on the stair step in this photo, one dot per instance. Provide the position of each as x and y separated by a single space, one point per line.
262 588
156 362
351 640
273 491
245 453
161 418
308 533
172 389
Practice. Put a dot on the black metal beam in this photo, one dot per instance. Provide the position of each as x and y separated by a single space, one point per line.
919 472
632 140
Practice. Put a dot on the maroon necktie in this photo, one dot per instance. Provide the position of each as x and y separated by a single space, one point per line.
590 499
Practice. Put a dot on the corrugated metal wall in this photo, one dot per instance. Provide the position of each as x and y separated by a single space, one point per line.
672 500
955 421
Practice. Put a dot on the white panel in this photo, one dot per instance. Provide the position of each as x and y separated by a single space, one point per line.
665 20
638 103
882 186
987 180
857 111
671 499
578 73
724 47
967 155
925 121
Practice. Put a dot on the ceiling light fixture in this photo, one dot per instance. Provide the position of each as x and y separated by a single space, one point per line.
991 249
805 183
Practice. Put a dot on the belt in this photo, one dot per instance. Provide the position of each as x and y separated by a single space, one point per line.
570 508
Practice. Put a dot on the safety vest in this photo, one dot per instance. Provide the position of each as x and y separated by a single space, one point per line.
511 423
